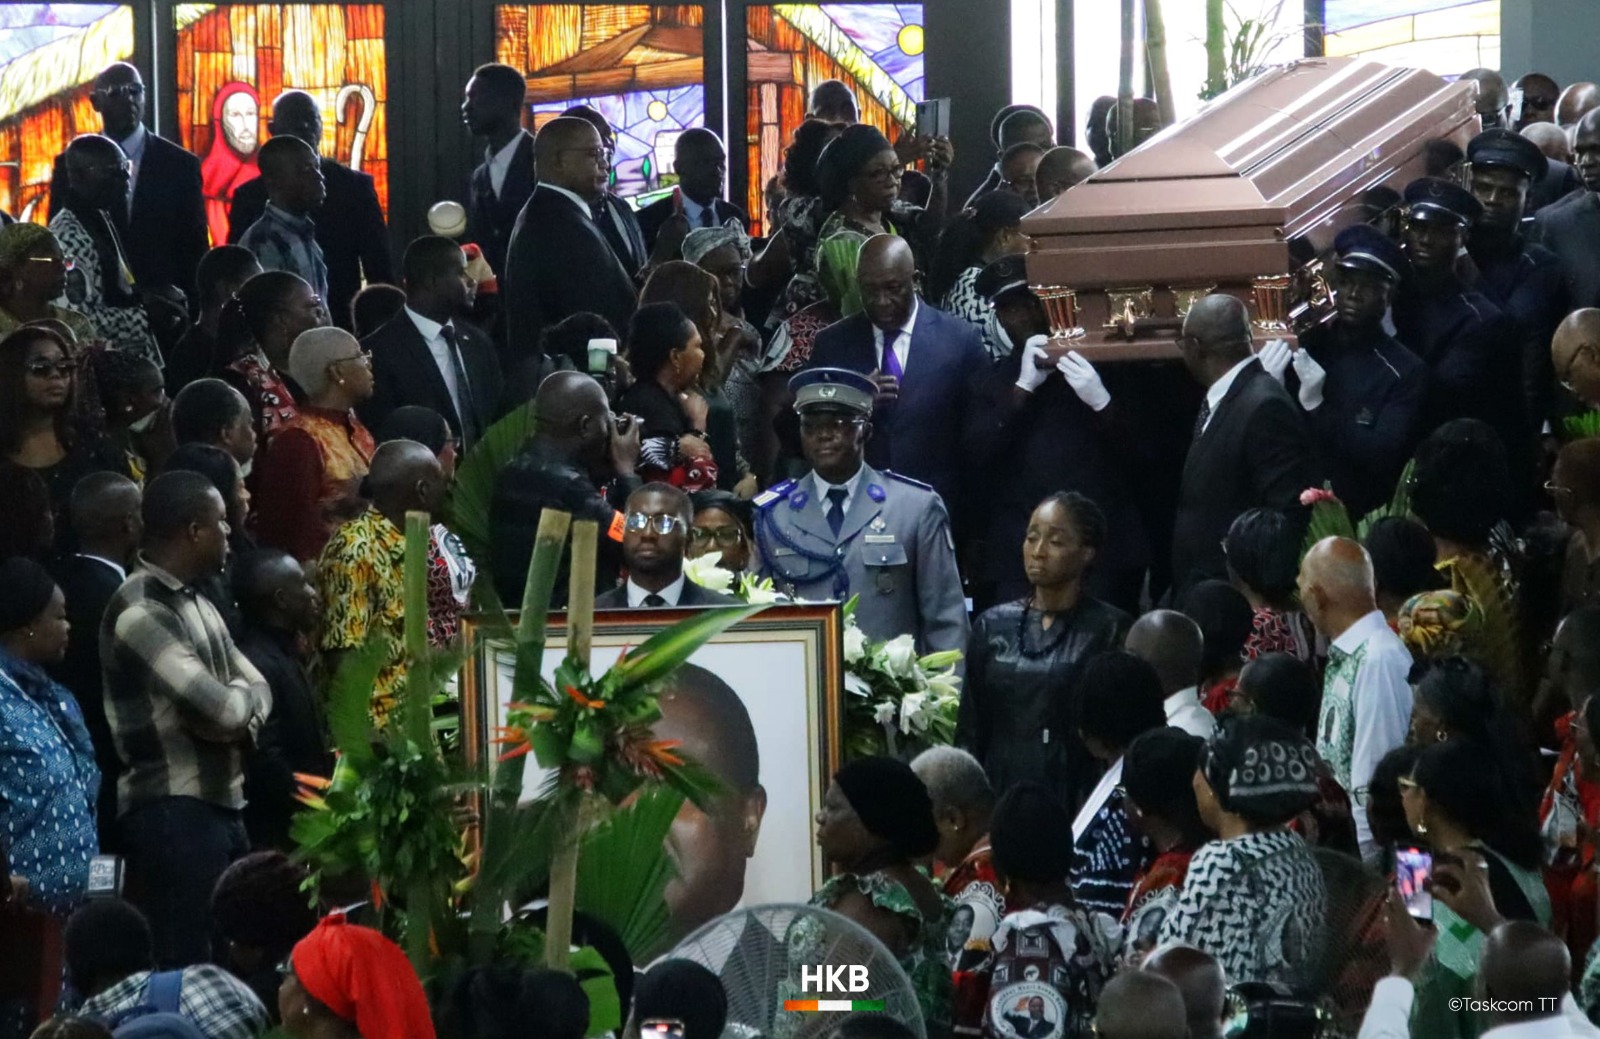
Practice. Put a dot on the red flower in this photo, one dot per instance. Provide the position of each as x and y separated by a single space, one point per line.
1312 495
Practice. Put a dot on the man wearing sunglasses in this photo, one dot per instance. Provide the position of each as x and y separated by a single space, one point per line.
656 524
165 233
846 529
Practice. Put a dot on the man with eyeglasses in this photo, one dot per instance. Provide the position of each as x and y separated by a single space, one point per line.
559 261
1575 354
846 529
164 228
656 526
612 214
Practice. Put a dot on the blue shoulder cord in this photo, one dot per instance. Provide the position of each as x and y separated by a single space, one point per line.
833 562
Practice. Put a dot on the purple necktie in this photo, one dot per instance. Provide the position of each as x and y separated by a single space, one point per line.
891 360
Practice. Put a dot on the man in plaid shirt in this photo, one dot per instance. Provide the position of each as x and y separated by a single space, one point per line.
285 238
110 960
184 705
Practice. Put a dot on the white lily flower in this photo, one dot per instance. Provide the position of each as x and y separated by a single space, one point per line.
705 572
912 713
854 683
855 644
900 656
884 713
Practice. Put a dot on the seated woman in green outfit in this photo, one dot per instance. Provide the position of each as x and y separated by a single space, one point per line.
32 274
876 820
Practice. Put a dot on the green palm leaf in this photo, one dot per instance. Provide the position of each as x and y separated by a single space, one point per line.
467 512
623 875
662 653
350 700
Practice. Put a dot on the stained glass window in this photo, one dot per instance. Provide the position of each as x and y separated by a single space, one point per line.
639 66
875 48
1447 37
234 59
50 55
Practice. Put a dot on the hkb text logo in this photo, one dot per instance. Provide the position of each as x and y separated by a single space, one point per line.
833 978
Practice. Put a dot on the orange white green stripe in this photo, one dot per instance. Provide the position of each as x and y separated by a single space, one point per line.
833 1004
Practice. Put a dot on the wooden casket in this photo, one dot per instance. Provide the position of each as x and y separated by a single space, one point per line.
1243 198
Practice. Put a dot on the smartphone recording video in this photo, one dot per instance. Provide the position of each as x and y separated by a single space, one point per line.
1413 868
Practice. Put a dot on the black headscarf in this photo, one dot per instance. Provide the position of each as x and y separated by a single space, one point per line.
1031 835
684 990
28 588
891 803
844 157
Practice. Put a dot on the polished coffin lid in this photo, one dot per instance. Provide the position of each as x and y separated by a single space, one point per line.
1216 198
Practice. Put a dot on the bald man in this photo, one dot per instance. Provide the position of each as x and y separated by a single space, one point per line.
360 574
1140 1004
1575 102
1560 178
1570 228
350 227
1366 696
1200 982
580 460
559 261
165 234
1575 355
284 238
1171 643
1251 445
701 163
919 421
1060 169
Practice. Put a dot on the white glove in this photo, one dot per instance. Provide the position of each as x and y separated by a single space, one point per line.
1030 377
1274 357
1084 380
1312 379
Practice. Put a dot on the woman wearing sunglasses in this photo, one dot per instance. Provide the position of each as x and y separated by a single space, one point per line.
39 428
33 272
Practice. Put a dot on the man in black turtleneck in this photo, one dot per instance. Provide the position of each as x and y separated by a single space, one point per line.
1521 278
1469 345
1361 390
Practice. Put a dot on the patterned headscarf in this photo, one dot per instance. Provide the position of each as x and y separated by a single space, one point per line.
704 240
837 256
17 241
1439 623
1260 768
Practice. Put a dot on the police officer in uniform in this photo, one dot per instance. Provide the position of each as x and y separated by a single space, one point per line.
1520 277
1469 345
847 529
1362 391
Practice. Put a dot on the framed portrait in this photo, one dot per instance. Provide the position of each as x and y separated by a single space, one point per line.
760 705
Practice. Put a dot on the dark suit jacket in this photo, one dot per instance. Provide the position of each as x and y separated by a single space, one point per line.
625 238
88 585
292 740
1255 452
350 230
404 372
923 434
692 595
490 219
166 233
1570 228
651 217
1559 181
559 264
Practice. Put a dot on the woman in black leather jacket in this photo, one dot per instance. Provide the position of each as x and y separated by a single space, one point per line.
1017 716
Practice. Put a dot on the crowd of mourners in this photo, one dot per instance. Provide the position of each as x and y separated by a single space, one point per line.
1206 733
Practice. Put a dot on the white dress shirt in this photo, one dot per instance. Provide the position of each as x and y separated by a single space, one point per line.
1220 388
671 593
500 162
902 342
850 486
577 200
122 571
1388 1016
694 212
1097 799
1185 711
432 334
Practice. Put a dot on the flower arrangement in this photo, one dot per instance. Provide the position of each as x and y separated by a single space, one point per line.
1330 517
897 703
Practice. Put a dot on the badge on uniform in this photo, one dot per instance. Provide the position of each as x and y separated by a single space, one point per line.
799 500
876 493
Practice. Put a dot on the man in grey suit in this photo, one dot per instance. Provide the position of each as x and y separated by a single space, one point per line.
847 529
655 533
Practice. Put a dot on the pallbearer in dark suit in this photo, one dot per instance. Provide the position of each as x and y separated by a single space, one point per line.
1469 345
702 167
559 263
1522 278
1251 444
349 223
427 356
847 529
655 535
1570 227
925 363
492 109
1360 389
165 235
